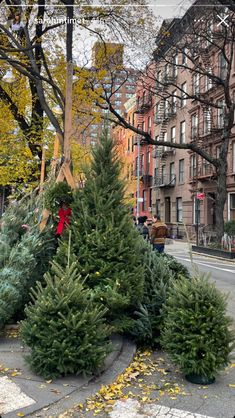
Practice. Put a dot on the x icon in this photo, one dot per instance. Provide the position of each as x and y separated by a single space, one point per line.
222 20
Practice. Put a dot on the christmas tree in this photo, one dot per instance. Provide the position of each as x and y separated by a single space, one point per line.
25 254
105 241
64 327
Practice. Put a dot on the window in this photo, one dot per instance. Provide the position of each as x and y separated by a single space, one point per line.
220 113
207 120
130 88
222 66
182 132
117 95
173 134
181 171
231 206
145 200
196 84
184 56
172 172
233 162
210 28
132 143
163 174
193 166
164 137
175 68
129 95
196 211
149 124
128 144
179 209
117 102
194 125
174 101
208 81
183 94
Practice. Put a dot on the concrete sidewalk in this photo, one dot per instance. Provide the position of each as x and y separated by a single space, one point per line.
148 386
23 393
160 391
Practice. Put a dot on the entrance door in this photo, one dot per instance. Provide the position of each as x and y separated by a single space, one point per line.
167 209
210 209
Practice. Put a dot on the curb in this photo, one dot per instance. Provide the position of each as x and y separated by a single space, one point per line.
113 367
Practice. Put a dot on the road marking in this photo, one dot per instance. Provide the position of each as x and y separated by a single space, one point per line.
207 265
11 396
132 408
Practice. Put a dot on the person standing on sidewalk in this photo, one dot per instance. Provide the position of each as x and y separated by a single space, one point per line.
158 234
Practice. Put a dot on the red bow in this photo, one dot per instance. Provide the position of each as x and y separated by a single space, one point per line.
64 215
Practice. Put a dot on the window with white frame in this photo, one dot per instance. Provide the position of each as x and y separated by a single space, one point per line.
207 120
173 134
174 101
220 113
149 124
194 125
196 211
175 65
183 94
165 140
172 171
233 157
193 166
181 171
179 209
196 83
208 80
182 132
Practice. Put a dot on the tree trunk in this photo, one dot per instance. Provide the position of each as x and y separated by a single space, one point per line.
221 198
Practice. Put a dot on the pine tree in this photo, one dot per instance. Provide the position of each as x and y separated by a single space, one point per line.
25 254
64 327
106 243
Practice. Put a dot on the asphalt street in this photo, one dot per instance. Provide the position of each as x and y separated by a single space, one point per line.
222 272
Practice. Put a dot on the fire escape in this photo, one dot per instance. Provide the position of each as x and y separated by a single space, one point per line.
164 111
144 104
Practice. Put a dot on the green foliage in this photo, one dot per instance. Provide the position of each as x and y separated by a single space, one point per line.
107 245
196 331
229 227
27 262
24 255
57 194
64 327
177 268
158 280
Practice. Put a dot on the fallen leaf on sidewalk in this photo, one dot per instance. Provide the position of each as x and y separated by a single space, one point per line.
20 414
56 391
231 385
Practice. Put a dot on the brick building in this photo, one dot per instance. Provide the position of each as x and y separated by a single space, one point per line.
180 175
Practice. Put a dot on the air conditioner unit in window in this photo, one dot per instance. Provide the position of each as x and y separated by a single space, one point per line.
149 209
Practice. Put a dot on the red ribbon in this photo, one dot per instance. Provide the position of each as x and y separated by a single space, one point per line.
64 215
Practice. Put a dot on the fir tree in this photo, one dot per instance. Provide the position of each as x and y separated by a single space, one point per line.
24 255
106 243
64 327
